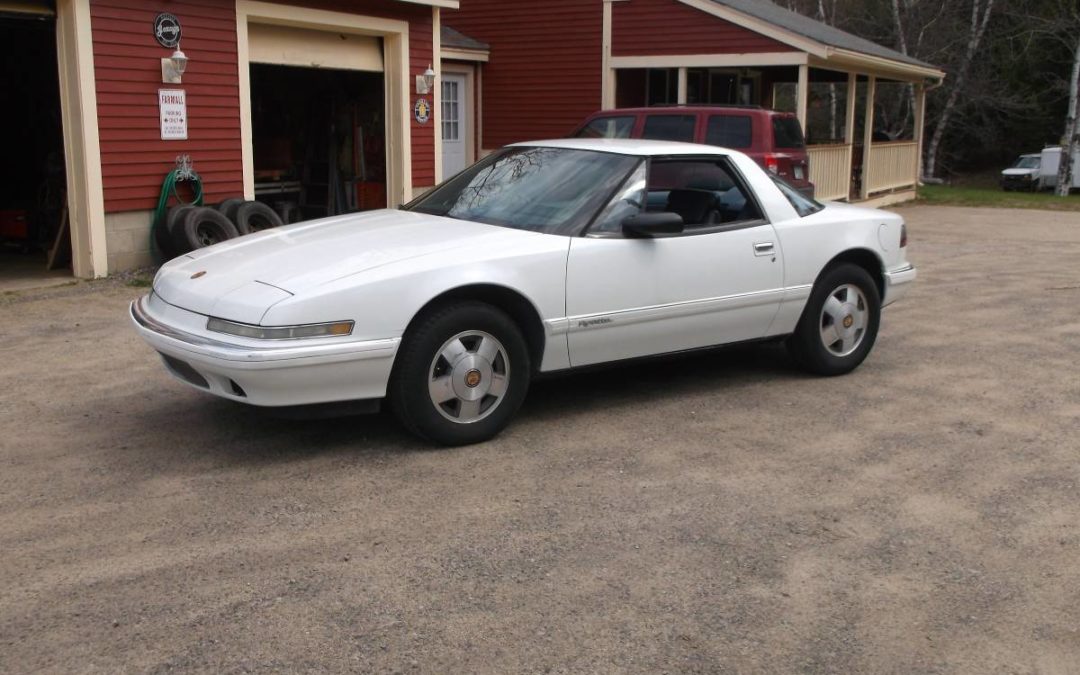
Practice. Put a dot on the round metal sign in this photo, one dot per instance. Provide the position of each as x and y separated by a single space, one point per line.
422 110
167 30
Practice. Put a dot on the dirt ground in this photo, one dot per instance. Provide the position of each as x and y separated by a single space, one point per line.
721 513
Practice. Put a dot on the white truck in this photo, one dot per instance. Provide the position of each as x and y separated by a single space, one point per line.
1050 160
1023 174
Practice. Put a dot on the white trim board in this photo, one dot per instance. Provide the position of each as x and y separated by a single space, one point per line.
711 60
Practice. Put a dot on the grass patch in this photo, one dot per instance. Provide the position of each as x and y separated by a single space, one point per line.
948 195
140 282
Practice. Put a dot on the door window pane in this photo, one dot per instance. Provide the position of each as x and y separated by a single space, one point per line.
450 110
607 127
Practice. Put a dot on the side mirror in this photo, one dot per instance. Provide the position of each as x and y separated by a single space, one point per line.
646 225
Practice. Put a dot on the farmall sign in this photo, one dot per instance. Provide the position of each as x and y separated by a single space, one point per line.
172 104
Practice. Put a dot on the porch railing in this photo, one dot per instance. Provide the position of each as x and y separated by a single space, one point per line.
892 165
830 170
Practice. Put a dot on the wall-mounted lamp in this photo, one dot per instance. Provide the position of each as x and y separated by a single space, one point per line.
173 67
425 82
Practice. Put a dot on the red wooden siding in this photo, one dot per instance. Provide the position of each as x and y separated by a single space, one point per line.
670 27
543 78
127 62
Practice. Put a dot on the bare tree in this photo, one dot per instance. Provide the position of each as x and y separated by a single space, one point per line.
1071 138
981 11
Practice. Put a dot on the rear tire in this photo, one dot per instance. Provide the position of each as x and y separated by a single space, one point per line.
202 227
840 323
228 208
163 235
462 372
255 217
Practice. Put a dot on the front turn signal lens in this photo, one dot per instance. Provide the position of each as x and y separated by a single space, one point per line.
311 330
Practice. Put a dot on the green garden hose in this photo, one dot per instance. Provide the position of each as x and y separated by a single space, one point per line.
168 189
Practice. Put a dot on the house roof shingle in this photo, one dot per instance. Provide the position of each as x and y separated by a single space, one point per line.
458 40
766 10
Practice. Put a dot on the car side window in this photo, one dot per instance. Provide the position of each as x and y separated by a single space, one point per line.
607 127
704 192
729 131
670 128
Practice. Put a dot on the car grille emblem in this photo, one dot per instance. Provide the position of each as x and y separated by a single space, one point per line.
198 274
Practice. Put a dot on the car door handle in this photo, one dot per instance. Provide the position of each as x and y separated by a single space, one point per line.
764 248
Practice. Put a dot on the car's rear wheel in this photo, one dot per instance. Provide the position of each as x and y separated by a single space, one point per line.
840 322
462 373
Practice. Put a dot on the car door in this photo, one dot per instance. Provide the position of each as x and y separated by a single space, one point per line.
719 281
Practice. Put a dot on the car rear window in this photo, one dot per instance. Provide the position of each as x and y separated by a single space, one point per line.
729 131
607 127
787 133
669 128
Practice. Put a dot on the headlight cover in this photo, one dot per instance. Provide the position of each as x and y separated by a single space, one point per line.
311 330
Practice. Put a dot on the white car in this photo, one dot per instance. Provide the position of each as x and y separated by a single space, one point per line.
542 257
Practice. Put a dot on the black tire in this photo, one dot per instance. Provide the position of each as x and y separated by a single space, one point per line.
419 363
163 235
808 344
255 217
228 208
202 227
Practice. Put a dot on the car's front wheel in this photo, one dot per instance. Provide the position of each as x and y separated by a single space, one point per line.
840 322
462 373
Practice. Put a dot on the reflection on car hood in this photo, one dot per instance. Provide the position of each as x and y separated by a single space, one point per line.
262 269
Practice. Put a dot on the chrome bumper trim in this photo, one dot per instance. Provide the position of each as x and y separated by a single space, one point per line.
225 351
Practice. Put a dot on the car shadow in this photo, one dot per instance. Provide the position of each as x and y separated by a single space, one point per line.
223 431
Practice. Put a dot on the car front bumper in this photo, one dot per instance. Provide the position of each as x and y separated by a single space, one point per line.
897 283
282 373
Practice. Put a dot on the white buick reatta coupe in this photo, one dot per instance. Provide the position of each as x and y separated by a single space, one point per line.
541 257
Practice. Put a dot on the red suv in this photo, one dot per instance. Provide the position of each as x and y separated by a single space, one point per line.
773 139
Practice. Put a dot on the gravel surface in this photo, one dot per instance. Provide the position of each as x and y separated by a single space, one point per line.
721 513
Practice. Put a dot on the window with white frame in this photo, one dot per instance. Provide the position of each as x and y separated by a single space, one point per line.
451 99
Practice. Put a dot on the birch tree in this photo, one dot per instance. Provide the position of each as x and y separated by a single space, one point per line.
981 10
1071 138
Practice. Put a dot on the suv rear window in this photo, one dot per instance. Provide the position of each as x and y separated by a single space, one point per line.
670 128
729 131
607 127
787 133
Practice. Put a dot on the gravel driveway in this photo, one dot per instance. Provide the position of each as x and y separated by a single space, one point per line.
721 513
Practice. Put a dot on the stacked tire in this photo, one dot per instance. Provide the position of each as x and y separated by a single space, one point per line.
188 227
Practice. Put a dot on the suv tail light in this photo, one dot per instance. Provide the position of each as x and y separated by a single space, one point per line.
772 163
903 235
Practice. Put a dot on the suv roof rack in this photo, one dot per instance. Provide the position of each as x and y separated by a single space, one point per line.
745 106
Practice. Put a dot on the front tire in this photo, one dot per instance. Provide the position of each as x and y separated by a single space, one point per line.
840 322
461 374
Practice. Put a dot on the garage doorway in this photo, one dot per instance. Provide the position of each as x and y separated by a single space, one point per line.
35 242
318 140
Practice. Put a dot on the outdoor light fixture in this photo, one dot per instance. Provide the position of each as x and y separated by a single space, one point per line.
173 67
425 82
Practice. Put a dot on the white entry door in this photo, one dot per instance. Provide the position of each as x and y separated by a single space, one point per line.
454 124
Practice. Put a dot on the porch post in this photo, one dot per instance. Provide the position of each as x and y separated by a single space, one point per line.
868 136
849 119
920 121
849 130
804 94
681 95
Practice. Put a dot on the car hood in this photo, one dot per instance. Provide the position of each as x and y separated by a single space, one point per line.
242 278
1019 172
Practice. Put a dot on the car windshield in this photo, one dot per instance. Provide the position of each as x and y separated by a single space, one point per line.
550 190
1027 163
803 205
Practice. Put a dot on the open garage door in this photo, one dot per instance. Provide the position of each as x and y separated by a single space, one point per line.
318 108
34 240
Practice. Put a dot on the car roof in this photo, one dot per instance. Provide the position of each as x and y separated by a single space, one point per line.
630 146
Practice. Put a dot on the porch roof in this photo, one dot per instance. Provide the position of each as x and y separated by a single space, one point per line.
837 43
